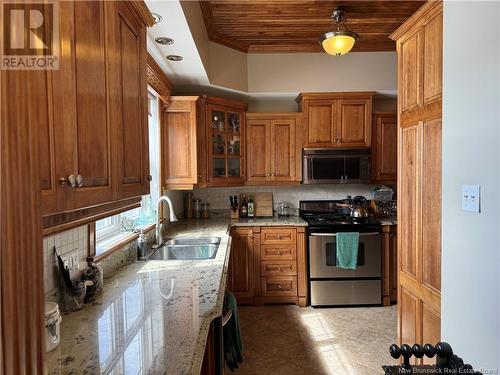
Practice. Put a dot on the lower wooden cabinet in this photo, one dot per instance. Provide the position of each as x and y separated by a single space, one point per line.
268 265
389 264
241 271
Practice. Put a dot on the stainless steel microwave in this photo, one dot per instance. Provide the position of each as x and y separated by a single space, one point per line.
335 166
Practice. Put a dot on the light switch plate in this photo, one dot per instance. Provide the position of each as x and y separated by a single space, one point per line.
471 197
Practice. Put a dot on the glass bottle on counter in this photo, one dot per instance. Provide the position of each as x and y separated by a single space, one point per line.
196 208
251 207
243 207
205 210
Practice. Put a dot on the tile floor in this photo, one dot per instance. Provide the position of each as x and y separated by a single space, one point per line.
340 341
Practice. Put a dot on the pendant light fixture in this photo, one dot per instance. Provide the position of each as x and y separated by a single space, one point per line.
339 39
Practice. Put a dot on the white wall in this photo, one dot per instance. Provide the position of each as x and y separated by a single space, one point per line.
471 155
303 72
227 67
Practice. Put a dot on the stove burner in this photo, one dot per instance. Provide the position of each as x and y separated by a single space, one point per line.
327 213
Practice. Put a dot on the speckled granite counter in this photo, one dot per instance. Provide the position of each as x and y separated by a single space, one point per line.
293 221
153 317
388 221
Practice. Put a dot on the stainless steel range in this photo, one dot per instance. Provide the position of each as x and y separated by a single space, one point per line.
333 286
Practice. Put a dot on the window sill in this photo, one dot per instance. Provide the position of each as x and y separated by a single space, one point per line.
120 242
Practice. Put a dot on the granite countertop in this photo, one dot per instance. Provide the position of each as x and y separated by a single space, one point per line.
294 221
153 316
388 220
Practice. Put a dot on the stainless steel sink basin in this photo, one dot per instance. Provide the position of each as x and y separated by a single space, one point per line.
187 249
194 241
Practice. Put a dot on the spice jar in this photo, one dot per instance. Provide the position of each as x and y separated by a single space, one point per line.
205 210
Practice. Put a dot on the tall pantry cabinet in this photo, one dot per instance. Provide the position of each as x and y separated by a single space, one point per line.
419 48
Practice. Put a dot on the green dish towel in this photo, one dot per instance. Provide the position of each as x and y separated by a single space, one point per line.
347 249
233 344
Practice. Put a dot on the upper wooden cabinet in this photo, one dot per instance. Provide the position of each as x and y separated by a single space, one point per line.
203 142
273 153
179 146
129 102
225 129
337 119
384 148
93 110
420 63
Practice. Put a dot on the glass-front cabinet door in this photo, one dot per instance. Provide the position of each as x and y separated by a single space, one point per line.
226 127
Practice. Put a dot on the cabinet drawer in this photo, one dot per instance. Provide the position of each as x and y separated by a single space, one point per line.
284 286
277 252
280 267
278 236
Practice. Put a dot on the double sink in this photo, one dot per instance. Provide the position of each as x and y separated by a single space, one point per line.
187 249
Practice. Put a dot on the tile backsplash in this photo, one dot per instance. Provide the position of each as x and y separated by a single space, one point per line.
219 197
73 242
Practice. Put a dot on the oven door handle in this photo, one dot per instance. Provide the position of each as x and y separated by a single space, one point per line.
335 234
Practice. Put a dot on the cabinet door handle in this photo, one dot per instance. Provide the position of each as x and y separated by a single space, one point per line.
79 180
150 178
250 235
272 175
70 180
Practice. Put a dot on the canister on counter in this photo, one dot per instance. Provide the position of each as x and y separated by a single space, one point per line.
188 205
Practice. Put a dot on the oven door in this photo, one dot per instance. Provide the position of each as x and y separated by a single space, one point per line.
323 256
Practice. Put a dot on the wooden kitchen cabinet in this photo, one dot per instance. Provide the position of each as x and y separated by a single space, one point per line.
384 148
181 144
202 142
268 265
129 102
225 129
389 264
420 63
419 48
93 138
337 120
241 271
273 152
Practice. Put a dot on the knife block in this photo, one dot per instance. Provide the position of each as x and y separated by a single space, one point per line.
235 214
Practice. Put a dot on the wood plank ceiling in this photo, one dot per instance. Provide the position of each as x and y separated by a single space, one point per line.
263 26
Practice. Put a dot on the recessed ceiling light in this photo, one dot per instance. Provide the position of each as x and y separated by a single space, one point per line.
174 57
157 18
164 40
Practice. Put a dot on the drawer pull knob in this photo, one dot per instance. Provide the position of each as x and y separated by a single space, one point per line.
278 252
279 286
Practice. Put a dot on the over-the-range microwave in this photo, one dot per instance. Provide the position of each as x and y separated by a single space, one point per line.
336 166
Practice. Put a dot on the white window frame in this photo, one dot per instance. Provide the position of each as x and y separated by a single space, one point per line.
113 229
